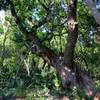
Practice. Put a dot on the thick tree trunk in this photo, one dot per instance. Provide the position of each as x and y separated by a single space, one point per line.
67 71
73 77
72 33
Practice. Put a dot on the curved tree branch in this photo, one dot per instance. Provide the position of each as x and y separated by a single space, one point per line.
37 48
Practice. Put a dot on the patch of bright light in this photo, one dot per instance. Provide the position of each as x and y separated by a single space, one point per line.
2 16
98 6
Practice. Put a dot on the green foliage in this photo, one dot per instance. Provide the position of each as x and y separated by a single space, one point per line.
21 72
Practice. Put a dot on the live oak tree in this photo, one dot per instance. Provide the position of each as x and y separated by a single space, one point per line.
65 64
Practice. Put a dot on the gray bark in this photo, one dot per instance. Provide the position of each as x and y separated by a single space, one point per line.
96 14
